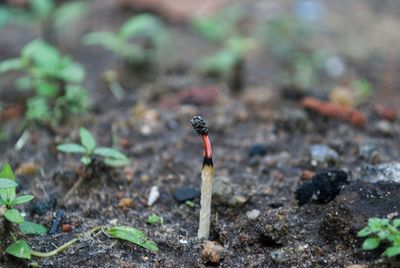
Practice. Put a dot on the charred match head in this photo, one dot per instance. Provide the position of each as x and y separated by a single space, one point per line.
201 128
199 125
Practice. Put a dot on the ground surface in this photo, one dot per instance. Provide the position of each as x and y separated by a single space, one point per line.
165 152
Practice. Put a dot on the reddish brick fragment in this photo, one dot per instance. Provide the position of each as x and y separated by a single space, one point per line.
349 114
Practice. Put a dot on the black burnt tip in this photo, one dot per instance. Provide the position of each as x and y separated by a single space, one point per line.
199 125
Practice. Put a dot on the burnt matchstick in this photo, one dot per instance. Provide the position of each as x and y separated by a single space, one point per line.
207 178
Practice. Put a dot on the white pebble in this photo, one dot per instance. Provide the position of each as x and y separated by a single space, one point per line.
253 214
153 196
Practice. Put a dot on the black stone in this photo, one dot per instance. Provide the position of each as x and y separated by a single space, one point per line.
257 149
322 188
186 193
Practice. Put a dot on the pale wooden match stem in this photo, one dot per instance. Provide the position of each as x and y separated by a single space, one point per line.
207 179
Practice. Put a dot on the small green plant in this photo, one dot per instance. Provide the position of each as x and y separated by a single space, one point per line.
224 29
223 62
380 231
137 41
8 196
55 21
132 235
289 41
54 79
153 219
10 200
21 249
112 157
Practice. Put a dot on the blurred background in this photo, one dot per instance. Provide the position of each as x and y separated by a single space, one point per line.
344 52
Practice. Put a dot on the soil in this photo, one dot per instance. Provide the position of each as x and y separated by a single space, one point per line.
165 151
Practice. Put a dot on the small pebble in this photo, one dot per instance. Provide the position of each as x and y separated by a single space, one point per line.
321 153
253 214
384 127
212 252
257 150
279 256
66 228
153 196
186 193
113 221
307 174
227 193
125 202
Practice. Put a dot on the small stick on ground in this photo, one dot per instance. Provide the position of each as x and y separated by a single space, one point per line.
207 178
76 185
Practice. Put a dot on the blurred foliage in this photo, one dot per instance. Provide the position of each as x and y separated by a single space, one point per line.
53 19
224 29
54 79
137 41
290 43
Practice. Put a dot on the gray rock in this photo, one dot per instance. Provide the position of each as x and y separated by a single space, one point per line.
384 127
294 119
368 152
272 225
279 256
381 172
321 153
253 214
227 193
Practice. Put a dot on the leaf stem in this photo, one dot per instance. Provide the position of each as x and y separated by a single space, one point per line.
66 245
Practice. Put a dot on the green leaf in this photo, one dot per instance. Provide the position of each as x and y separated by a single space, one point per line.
72 72
141 24
42 8
6 183
46 89
396 223
87 139
69 12
24 83
107 40
7 194
221 63
376 224
42 54
10 65
28 227
392 251
110 153
38 109
116 162
7 172
153 218
19 249
364 232
209 29
132 235
71 148
371 243
13 215
86 160
21 199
